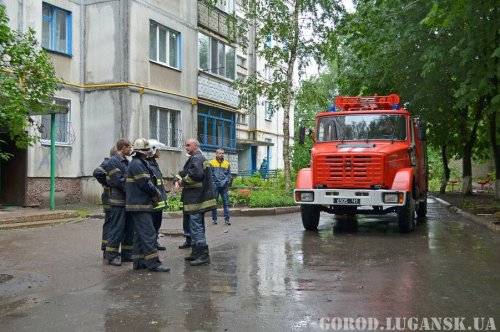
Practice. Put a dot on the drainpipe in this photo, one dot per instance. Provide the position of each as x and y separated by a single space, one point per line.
52 161
83 53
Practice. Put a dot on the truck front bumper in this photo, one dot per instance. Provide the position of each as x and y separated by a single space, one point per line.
350 197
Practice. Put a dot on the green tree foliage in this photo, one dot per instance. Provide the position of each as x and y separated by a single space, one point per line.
314 96
28 82
442 57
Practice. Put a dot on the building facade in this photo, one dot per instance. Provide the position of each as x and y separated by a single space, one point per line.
130 69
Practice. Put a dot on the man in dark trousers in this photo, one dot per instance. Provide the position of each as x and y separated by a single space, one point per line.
197 197
157 214
221 175
263 168
100 175
120 228
142 196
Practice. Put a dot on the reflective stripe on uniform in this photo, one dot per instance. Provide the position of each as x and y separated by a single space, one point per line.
151 256
111 249
127 247
113 171
199 206
137 177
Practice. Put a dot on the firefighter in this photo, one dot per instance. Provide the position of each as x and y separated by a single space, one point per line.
100 175
120 229
142 197
157 214
197 196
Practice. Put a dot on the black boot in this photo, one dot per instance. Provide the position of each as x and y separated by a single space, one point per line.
161 268
195 252
139 265
203 257
186 244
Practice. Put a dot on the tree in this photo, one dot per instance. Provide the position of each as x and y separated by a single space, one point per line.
28 82
287 35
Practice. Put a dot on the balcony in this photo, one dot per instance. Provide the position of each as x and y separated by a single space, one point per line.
213 19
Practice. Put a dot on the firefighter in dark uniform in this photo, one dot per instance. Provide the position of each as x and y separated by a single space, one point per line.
157 214
120 228
197 197
100 175
142 196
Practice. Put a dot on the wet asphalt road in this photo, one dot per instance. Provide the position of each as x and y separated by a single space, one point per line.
267 274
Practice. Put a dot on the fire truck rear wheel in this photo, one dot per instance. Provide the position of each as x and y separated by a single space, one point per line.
310 216
406 215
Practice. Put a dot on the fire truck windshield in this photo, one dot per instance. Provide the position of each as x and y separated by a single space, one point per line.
361 127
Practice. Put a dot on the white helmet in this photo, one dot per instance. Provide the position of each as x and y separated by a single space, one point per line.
142 145
155 145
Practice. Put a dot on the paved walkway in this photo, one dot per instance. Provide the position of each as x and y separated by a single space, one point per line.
19 217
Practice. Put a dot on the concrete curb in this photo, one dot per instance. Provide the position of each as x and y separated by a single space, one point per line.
477 219
19 217
235 212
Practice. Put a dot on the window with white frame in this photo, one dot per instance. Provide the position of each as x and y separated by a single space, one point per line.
62 123
164 126
268 73
56 29
216 57
164 45
241 118
226 6
269 111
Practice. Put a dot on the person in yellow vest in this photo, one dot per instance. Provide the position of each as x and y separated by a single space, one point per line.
221 175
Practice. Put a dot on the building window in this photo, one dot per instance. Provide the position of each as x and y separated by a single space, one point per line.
63 126
241 118
226 6
269 111
268 73
242 62
164 45
164 126
216 57
56 29
216 128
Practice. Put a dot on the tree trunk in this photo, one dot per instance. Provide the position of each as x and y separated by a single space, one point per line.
446 170
495 145
468 143
288 99
467 169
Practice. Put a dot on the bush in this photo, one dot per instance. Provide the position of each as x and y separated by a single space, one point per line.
174 202
268 198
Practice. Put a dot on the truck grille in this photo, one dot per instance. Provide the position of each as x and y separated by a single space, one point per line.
349 171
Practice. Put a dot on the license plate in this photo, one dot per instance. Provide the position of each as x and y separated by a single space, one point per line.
346 201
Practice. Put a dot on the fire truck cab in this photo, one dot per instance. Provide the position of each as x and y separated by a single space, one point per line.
369 157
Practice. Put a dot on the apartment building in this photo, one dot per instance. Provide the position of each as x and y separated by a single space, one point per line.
130 69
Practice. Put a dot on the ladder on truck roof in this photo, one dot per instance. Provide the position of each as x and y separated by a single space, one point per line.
367 103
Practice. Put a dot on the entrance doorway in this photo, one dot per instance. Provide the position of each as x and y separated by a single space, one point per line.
13 173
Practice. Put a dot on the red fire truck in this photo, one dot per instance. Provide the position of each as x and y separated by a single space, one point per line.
369 157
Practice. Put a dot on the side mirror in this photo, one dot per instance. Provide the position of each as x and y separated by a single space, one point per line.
302 135
422 130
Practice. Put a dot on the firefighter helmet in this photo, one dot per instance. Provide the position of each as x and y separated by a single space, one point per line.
142 145
155 145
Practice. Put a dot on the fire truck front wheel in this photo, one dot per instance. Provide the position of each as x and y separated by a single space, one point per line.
406 215
422 208
310 216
